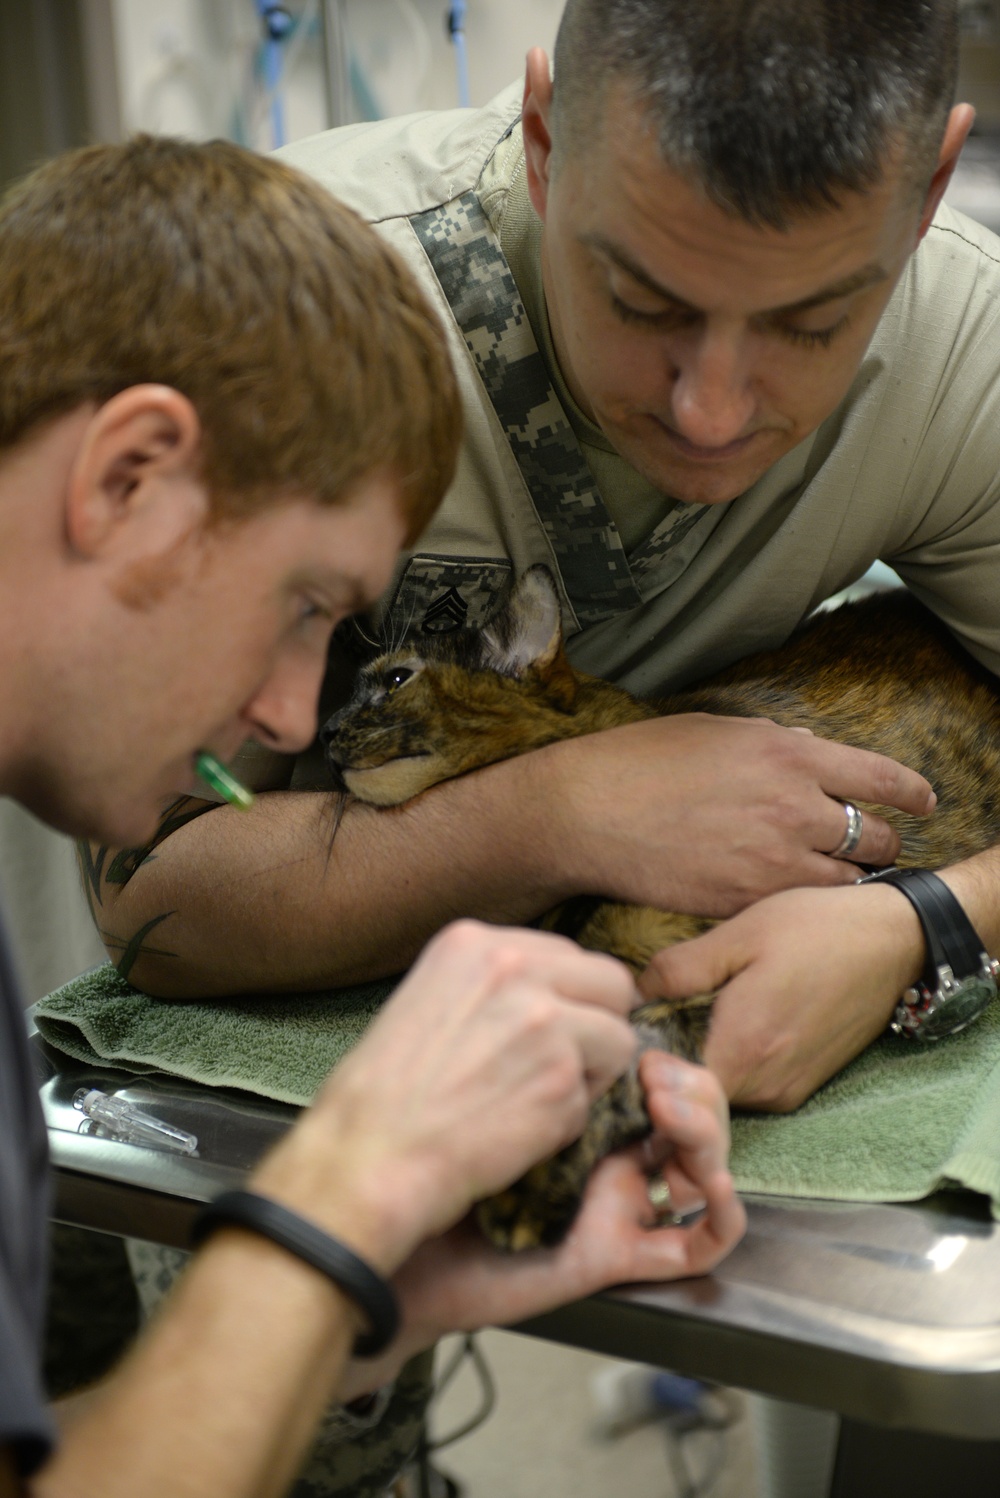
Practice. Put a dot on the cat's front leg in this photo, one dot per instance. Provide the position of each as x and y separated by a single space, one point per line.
538 1209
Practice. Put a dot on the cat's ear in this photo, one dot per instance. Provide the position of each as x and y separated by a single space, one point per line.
527 631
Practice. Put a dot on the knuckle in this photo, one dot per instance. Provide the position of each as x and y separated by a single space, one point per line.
463 935
792 751
788 816
539 1012
882 842
504 961
564 1093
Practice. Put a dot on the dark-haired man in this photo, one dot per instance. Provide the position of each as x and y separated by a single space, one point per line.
720 349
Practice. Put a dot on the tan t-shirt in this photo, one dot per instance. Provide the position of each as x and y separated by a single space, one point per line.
656 592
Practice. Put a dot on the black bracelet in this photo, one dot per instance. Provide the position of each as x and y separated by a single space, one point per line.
949 935
349 1273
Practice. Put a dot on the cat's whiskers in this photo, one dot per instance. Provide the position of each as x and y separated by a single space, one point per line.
371 641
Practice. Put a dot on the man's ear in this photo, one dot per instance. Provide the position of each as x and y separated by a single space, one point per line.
536 117
133 489
960 122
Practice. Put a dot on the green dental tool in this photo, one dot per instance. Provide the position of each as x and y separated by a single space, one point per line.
215 774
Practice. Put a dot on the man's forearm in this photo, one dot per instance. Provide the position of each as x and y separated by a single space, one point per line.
215 1402
270 899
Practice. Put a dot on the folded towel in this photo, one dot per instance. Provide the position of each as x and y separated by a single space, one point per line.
900 1121
278 1045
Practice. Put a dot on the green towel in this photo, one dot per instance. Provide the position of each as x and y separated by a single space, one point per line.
278 1045
900 1121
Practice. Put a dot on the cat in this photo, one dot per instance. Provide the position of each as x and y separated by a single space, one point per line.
882 674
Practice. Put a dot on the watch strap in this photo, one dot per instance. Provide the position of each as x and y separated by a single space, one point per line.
373 1294
960 979
952 940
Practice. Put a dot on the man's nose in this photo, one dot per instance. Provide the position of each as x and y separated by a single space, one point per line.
282 715
712 402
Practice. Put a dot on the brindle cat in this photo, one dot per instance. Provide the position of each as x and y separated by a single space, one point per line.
882 674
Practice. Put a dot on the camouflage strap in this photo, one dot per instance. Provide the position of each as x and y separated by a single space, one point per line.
477 281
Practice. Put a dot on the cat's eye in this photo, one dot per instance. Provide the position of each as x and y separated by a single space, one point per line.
396 677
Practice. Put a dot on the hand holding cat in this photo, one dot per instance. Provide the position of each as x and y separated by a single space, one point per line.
458 1282
806 979
483 1062
707 814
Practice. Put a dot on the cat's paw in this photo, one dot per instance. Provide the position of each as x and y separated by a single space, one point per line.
538 1210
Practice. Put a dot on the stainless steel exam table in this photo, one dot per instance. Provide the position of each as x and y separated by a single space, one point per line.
888 1315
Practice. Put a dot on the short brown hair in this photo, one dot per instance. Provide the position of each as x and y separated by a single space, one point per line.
776 107
306 347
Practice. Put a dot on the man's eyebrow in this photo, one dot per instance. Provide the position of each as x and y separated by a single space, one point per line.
859 280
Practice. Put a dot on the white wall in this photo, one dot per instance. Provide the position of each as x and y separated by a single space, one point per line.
186 66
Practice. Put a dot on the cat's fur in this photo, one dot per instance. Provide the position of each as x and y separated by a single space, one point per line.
882 674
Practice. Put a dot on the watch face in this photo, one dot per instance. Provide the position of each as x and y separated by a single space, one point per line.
963 1001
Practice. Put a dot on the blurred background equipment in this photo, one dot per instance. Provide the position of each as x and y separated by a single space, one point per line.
975 188
265 73
254 71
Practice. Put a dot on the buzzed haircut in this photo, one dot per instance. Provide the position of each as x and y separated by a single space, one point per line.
777 107
304 343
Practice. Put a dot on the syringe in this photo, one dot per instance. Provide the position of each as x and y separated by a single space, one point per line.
123 1121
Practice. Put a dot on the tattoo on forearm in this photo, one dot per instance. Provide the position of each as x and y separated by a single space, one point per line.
136 947
101 866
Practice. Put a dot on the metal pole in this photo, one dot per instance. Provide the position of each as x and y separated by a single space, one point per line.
336 63
100 61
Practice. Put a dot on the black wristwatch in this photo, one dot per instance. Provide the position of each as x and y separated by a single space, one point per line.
960 978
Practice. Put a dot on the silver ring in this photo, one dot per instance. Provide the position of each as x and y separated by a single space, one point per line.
852 837
661 1201
658 1191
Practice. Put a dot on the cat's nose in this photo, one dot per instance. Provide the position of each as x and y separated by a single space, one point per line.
330 729
328 738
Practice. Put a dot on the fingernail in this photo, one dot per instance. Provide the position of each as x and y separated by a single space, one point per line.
932 801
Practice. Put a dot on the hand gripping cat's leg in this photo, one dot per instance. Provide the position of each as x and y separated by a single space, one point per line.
537 1210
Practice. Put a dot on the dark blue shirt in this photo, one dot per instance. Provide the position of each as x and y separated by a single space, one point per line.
24 1421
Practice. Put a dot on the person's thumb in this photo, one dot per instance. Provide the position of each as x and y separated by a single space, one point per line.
694 967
